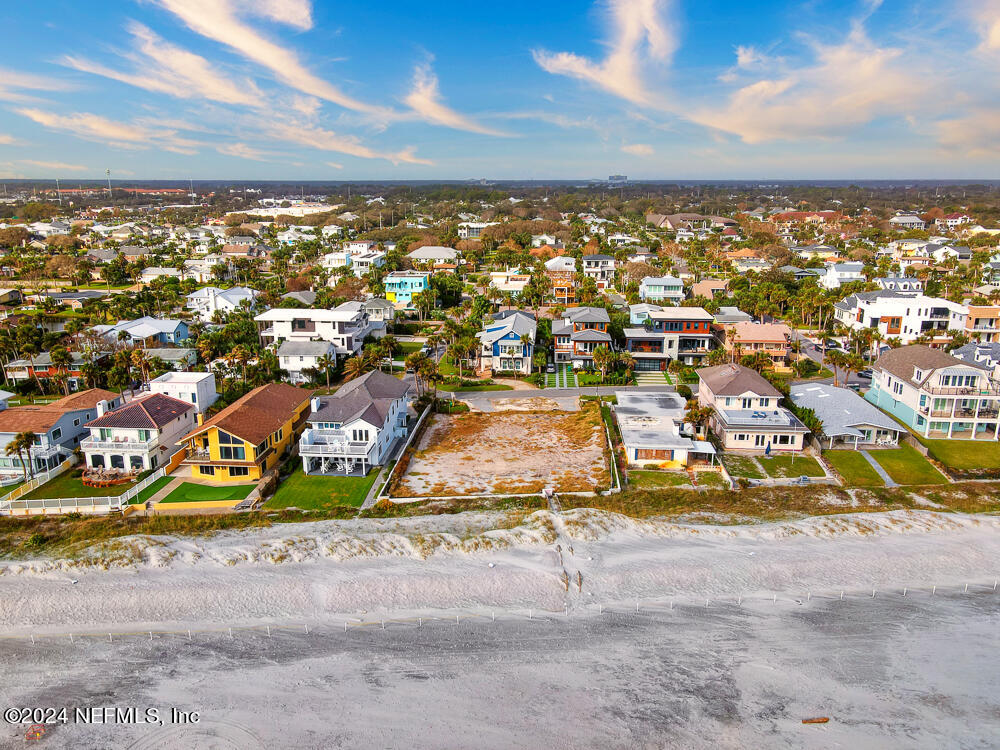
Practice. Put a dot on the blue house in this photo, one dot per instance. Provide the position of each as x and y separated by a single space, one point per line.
508 342
146 331
400 286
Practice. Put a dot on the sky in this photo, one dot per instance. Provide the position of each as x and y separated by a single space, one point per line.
654 89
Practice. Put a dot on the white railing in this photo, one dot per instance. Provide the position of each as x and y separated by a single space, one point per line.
91 444
333 449
34 483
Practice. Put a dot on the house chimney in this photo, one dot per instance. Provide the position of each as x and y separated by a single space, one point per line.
314 404
102 408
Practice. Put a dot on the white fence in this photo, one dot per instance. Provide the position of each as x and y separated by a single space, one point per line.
101 504
33 484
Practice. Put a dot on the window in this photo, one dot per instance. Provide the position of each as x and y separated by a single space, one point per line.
232 453
239 471
57 433
783 439
144 435
359 436
208 471
226 439
76 422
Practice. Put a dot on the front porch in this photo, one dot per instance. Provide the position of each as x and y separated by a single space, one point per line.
339 466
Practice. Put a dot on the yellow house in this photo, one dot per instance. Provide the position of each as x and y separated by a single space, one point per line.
250 436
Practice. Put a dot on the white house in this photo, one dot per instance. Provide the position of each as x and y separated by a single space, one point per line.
561 263
472 230
654 432
659 289
139 436
434 254
196 388
355 428
207 301
345 326
904 222
600 268
836 274
901 315
297 356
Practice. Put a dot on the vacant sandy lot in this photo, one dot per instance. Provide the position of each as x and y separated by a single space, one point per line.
467 454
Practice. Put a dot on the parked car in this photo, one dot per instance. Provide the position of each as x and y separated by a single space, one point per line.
866 374
550 368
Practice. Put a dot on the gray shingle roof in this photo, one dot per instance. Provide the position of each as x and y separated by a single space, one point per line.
841 411
369 397
734 380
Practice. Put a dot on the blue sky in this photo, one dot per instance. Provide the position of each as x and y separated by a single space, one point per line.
656 89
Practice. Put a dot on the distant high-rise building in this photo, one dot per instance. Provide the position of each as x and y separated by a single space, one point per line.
617 179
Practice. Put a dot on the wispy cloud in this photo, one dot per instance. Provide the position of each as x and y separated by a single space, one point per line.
637 31
849 84
327 140
57 166
986 16
168 69
638 149
14 83
974 134
7 140
425 100
222 21
243 151
119 134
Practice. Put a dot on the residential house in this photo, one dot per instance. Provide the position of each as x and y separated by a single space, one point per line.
817 252
563 287
178 357
197 388
982 323
205 302
138 436
983 354
11 297
668 289
40 366
561 263
434 254
801 274
400 286
681 333
906 222
304 297
708 288
362 263
578 333
953 220
935 394
355 428
747 415
639 313
249 437
58 428
900 284
145 331
381 313
295 357
600 268
773 339
731 315
837 274
848 419
511 282
901 315
346 326
473 230
654 431
508 342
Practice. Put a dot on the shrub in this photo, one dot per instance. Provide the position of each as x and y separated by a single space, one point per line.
684 391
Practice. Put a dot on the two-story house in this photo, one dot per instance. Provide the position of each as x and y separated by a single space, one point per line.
381 313
901 315
58 428
600 268
298 357
346 326
138 436
581 330
508 342
935 394
145 331
746 411
205 302
41 367
400 286
356 427
662 289
681 333
197 388
982 323
773 339
836 274
250 436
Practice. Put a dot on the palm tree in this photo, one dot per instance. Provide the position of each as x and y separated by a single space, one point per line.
30 350
326 364
603 359
16 446
140 360
240 356
355 367
62 359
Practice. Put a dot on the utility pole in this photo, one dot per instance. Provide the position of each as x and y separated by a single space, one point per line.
58 192
111 195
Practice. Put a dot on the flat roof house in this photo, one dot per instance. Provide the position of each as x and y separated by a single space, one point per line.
654 432
746 411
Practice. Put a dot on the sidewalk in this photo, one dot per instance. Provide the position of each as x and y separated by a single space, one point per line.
879 470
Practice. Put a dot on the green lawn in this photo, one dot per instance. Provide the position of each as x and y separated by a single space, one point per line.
151 490
906 466
407 348
742 466
710 479
68 484
965 455
320 493
651 480
446 368
189 492
792 466
854 468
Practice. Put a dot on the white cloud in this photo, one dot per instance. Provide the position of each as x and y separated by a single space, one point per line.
327 140
119 134
638 31
12 83
168 69
425 100
975 134
986 15
220 20
6 140
243 151
55 165
638 149
849 85
335 165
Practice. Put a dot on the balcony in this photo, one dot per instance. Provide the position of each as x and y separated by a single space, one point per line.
90 444
321 447
986 390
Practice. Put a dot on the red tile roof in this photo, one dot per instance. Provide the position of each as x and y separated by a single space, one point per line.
149 413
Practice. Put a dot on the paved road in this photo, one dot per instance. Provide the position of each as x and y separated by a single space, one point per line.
810 350
567 398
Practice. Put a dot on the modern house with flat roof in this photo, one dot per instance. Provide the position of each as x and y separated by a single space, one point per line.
848 419
346 326
654 432
681 333
197 388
